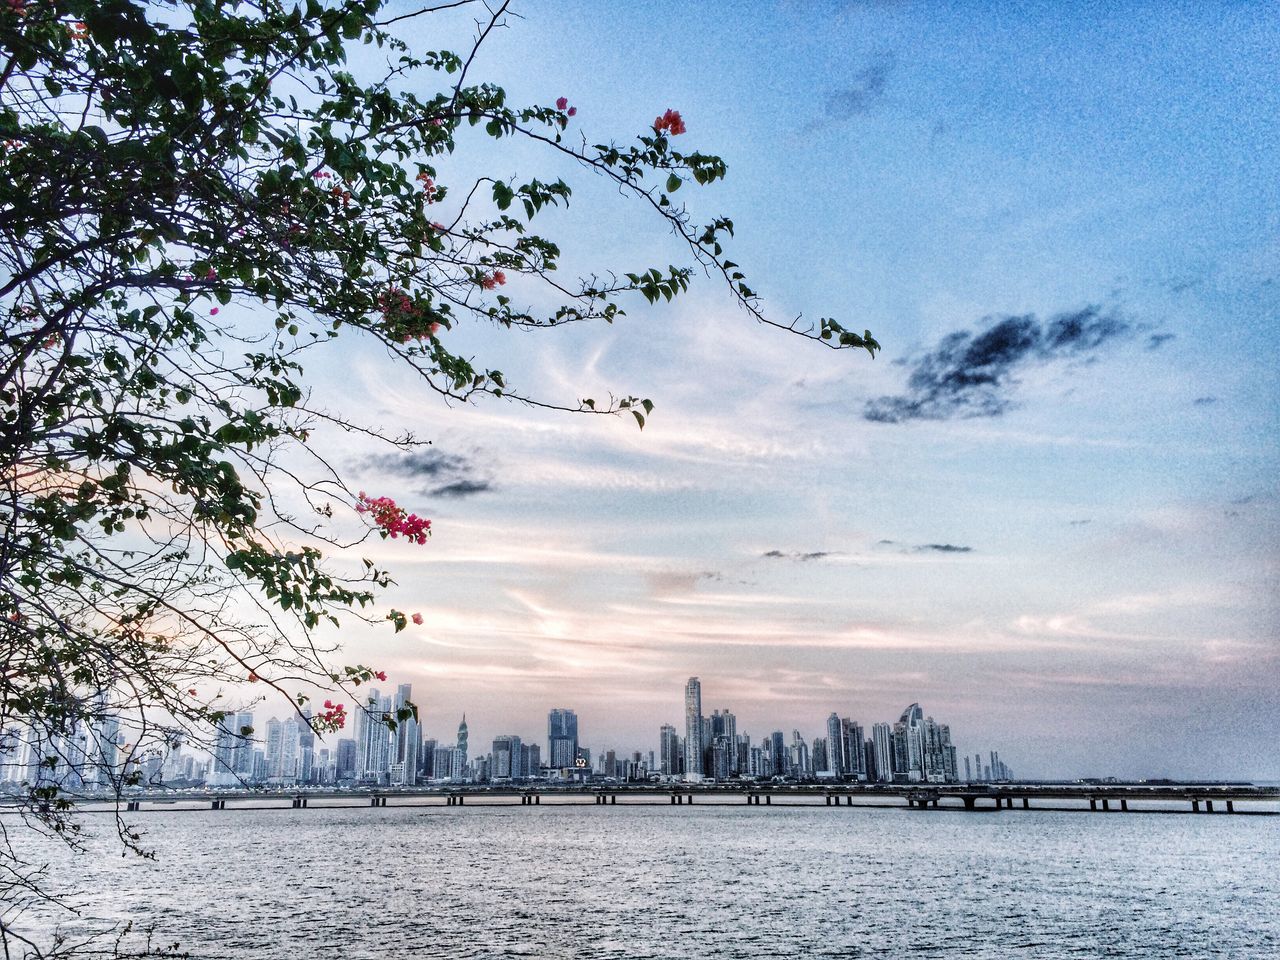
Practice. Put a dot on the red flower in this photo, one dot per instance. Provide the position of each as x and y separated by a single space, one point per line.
562 103
573 111
670 122
417 618
380 674
253 677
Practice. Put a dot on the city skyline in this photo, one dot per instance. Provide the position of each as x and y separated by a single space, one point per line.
1048 508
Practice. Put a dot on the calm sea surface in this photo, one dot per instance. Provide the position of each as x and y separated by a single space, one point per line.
681 882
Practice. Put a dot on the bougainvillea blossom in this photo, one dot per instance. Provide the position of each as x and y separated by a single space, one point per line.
670 122
394 520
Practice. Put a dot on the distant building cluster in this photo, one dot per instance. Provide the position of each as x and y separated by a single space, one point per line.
384 752
916 749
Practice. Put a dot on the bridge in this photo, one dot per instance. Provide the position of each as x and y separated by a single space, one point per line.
1139 797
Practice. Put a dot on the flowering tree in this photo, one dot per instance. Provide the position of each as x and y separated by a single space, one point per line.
167 532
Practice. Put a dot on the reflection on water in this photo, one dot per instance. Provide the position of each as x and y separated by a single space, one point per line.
678 882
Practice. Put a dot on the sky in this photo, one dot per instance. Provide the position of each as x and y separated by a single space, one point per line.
1047 511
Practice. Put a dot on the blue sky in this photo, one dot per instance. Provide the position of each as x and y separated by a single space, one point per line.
1071 557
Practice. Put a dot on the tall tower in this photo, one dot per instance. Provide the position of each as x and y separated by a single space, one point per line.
835 740
562 738
408 737
693 730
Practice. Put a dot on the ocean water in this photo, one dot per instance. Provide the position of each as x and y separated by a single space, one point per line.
682 882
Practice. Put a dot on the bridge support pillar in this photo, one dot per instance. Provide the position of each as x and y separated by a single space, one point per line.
1026 804
1106 804
1093 803
768 800
133 805
537 799
613 798
827 798
1124 805
1208 806
1231 807
970 802
848 801
1195 805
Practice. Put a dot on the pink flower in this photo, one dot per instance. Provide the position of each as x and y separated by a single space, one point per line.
499 278
380 674
562 103
393 519
670 122
417 618
213 312
573 111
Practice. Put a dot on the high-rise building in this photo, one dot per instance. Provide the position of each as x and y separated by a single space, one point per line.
820 755
345 765
507 758
726 725
562 738
408 735
908 745
778 753
851 750
693 730
374 739
835 741
798 757
427 759
668 751
721 754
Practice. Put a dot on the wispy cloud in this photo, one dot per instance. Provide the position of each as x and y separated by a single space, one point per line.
864 89
785 555
972 374
926 547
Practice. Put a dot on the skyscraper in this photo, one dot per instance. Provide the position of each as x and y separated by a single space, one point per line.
908 745
408 736
882 740
835 740
668 751
373 739
562 738
693 730
508 758
778 752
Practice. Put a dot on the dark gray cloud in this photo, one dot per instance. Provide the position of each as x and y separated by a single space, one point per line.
864 89
461 488
780 555
1158 340
1204 401
421 463
454 475
1081 523
925 547
970 374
